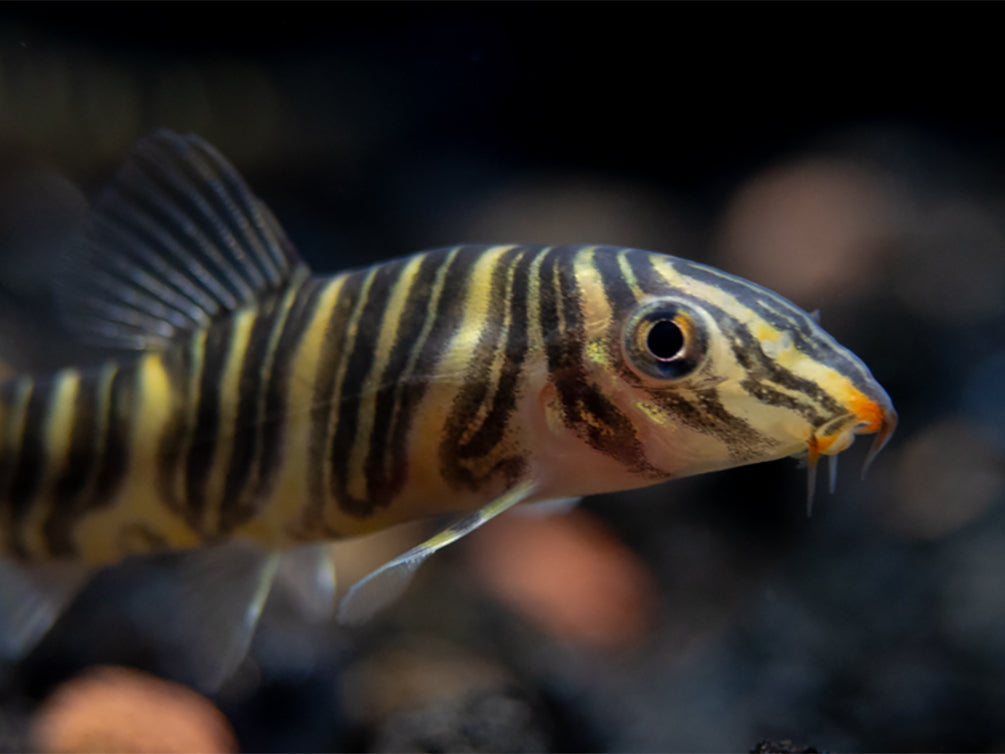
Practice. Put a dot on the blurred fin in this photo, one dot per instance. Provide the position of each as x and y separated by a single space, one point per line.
307 575
382 587
815 316
31 600
832 472
545 508
223 589
175 241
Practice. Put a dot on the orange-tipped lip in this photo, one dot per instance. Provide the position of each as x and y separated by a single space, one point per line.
876 415
871 415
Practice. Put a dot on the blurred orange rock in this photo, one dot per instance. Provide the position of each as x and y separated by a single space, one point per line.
569 575
119 709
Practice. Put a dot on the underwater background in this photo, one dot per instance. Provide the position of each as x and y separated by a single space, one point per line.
849 157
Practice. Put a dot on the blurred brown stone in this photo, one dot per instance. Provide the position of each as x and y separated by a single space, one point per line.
569 575
119 709
424 694
415 673
947 476
814 230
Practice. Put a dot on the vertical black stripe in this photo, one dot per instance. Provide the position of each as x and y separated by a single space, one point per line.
240 493
650 281
619 294
594 418
30 468
456 452
116 452
202 448
563 348
492 429
270 457
354 384
385 477
9 393
447 315
324 387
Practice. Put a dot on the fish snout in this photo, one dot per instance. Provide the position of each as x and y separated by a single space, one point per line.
868 412
877 416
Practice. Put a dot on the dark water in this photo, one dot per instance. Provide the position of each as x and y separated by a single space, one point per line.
852 166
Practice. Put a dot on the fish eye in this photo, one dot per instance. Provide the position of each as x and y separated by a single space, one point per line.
665 339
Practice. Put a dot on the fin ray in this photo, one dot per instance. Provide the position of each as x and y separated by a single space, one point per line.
176 240
307 574
384 585
221 591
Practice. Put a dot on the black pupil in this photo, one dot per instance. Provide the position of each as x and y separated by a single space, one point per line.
665 340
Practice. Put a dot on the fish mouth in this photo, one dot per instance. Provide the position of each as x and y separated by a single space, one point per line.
876 415
871 414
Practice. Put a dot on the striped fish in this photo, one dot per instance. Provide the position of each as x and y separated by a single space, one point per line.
256 401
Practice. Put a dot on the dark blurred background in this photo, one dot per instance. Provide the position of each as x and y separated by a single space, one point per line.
848 156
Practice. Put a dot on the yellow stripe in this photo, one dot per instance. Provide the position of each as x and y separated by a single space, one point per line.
476 303
230 383
535 333
291 490
103 395
57 430
433 304
498 357
102 532
382 350
457 359
629 276
596 311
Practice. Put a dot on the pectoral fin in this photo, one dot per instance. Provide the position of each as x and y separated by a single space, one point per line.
376 591
307 576
202 606
546 508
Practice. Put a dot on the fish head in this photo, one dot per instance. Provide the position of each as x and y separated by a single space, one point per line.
713 371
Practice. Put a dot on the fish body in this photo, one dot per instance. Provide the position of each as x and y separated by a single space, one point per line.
416 387
256 400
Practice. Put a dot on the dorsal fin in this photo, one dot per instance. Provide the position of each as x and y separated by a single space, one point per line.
175 241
